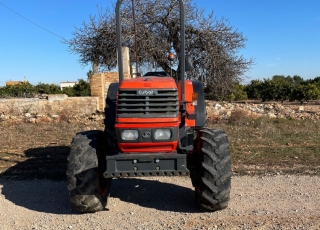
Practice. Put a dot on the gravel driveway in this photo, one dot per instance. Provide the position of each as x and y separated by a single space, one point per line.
268 202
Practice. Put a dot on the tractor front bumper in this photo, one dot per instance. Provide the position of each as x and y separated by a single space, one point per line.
142 164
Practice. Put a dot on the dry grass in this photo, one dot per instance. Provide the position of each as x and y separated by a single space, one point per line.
274 145
258 146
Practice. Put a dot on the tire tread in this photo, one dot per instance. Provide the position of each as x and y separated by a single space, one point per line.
215 176
82 173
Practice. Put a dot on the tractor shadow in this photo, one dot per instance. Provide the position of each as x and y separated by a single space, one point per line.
48 163
154 194
38 182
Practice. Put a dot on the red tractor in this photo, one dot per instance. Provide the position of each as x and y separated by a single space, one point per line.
154 126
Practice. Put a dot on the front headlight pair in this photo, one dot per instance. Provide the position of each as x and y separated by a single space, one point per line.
158 134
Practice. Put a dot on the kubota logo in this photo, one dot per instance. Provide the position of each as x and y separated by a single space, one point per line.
147 92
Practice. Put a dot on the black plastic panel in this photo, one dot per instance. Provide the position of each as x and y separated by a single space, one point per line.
110 109
146 164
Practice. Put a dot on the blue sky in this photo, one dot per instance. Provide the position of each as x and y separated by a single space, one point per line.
283 37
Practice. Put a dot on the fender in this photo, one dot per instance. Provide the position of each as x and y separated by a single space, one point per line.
110 109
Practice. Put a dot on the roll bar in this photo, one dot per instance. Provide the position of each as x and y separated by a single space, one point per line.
182 44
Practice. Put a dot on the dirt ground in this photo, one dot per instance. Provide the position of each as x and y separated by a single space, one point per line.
33 192
39 151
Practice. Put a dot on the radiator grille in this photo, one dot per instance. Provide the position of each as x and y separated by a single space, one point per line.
161 103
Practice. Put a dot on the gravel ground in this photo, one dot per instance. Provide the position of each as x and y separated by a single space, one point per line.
268 202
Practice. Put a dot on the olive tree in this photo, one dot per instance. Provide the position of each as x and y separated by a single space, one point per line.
213 44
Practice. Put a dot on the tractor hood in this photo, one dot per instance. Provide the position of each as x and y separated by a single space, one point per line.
149 82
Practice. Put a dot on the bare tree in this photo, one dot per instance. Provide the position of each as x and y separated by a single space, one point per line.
212 44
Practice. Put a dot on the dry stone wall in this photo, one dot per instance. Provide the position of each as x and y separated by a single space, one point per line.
60 107
54 108
223 111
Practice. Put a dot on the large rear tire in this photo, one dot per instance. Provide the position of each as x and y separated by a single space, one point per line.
87 188
212 180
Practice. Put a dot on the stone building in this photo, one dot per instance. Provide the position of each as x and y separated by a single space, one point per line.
99 82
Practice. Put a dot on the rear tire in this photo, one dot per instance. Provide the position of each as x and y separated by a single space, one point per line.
212 180
87 188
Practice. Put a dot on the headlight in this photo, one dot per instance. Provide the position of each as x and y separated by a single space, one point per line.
162 134
129 135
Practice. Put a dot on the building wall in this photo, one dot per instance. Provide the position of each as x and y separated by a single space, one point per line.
67 84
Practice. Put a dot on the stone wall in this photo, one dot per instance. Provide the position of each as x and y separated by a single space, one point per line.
54 107
223 111
60 107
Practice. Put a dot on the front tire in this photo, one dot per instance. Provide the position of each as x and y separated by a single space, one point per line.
88 190
213 180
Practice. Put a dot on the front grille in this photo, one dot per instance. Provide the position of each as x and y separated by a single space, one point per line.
161 103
